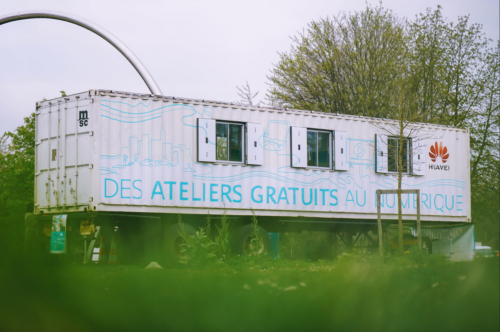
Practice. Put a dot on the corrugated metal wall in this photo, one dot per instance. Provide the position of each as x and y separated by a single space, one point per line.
147 157
63 153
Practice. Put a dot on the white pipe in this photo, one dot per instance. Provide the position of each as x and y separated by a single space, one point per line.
121 47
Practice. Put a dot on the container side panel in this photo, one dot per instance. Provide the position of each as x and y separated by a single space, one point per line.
206 140
255 151
381 155
299 147
341 150
70 188
84 148
43 155
71 151
43 125
84 185
60 149
148 150
54 121
54 153
418 154
42 193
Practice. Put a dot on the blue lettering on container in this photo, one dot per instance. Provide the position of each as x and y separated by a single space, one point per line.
160 192
270 193
182 190
364 199
347 198
170 183
106 188
122 188
334 197
192 193
212 192
283 195
237 193
225 193
439 208
133 185
260 196
293 190
310 197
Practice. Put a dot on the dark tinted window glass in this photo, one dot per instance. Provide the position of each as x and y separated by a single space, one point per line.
235 143
323 149
221 141
312 148
392 154
405 156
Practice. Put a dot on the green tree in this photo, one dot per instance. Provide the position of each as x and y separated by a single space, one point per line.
355 63
426 36
485 162
17 167
343 64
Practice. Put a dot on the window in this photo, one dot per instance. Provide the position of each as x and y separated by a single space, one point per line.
229 141
393 151
318 149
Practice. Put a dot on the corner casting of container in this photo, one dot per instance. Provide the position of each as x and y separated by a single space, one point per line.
121 47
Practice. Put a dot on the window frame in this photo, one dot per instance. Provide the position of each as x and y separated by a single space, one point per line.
409 160
243 148
330 148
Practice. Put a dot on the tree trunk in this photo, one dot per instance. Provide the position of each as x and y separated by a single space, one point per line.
400 176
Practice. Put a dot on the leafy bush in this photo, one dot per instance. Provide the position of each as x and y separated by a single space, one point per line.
255 248
202 248
309 245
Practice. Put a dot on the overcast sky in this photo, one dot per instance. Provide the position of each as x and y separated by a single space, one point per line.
193 48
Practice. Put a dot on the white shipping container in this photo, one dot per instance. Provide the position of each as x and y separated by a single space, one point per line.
124 152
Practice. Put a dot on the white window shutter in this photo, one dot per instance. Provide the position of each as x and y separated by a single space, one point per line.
206 140
298 147
418 160
381 153
255 152
341 151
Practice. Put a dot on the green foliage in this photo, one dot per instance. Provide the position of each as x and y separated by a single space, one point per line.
254 248
309 245
202 248
355 293
373 63
343 64
17 167
222 238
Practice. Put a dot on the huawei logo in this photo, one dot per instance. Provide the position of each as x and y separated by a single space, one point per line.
439 151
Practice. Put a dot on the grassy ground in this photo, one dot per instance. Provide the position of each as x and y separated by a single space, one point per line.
353 293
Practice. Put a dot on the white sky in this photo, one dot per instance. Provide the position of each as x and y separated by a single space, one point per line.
193 48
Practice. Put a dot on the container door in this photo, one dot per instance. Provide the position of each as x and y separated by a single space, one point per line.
418 153
54 149
341 150
206 140
298 149
255 152
63 152
381 153
78 150
42 158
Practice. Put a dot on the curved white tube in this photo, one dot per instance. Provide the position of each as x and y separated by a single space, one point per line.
121 47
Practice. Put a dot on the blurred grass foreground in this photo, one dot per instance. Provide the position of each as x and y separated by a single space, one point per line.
354 292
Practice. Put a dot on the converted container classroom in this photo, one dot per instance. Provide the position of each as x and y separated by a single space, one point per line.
106 152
